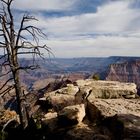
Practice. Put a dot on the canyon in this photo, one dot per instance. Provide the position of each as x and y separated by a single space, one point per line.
115 68
66 102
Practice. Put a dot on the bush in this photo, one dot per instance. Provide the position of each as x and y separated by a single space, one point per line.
96 76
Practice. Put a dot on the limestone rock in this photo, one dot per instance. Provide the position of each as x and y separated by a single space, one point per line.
50 115
58 101
93 110
71 115
50 120
81 83
103 108
60 98
91 89
88 89
69 90
127 71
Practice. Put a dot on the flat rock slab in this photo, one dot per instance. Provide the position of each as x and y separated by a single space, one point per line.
91 89
103 108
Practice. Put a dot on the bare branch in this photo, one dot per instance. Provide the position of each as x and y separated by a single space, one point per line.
5 21
3 56
29 45
26 45
9 10
20 29
1 34
6 83
29 18
33 52
5 73
32 67
24 19
5 63
4 2
38 31
7 90
5 31
2 46
2 43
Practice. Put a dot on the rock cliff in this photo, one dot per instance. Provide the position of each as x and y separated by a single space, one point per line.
128 71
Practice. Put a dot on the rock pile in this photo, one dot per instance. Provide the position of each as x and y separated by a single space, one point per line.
93 110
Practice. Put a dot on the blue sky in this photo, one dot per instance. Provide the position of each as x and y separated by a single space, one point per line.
86 28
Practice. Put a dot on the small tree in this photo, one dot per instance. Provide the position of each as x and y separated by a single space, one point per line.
96 76
14 43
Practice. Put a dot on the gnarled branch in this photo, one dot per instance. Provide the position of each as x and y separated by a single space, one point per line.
7 90
6 83
5 73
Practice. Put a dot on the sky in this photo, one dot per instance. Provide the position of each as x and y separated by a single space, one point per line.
86 28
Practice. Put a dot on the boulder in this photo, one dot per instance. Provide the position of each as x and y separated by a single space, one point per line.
71 115
91 89
50 120
102 108
60 98
57 101
69 90
87 90
82 83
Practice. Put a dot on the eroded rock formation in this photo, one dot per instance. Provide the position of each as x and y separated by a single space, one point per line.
93 110
128 71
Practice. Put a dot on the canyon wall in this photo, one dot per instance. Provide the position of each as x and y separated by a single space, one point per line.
128 71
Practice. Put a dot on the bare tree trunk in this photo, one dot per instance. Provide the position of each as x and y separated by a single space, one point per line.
12 42
21 102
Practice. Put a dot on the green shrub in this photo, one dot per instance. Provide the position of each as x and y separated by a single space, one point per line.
96 76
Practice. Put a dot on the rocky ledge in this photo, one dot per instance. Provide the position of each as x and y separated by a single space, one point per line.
93 110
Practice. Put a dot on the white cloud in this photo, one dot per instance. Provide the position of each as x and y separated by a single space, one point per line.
43 4
64 33
100 46
114 17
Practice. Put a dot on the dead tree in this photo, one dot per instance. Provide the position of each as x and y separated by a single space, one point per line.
14 43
